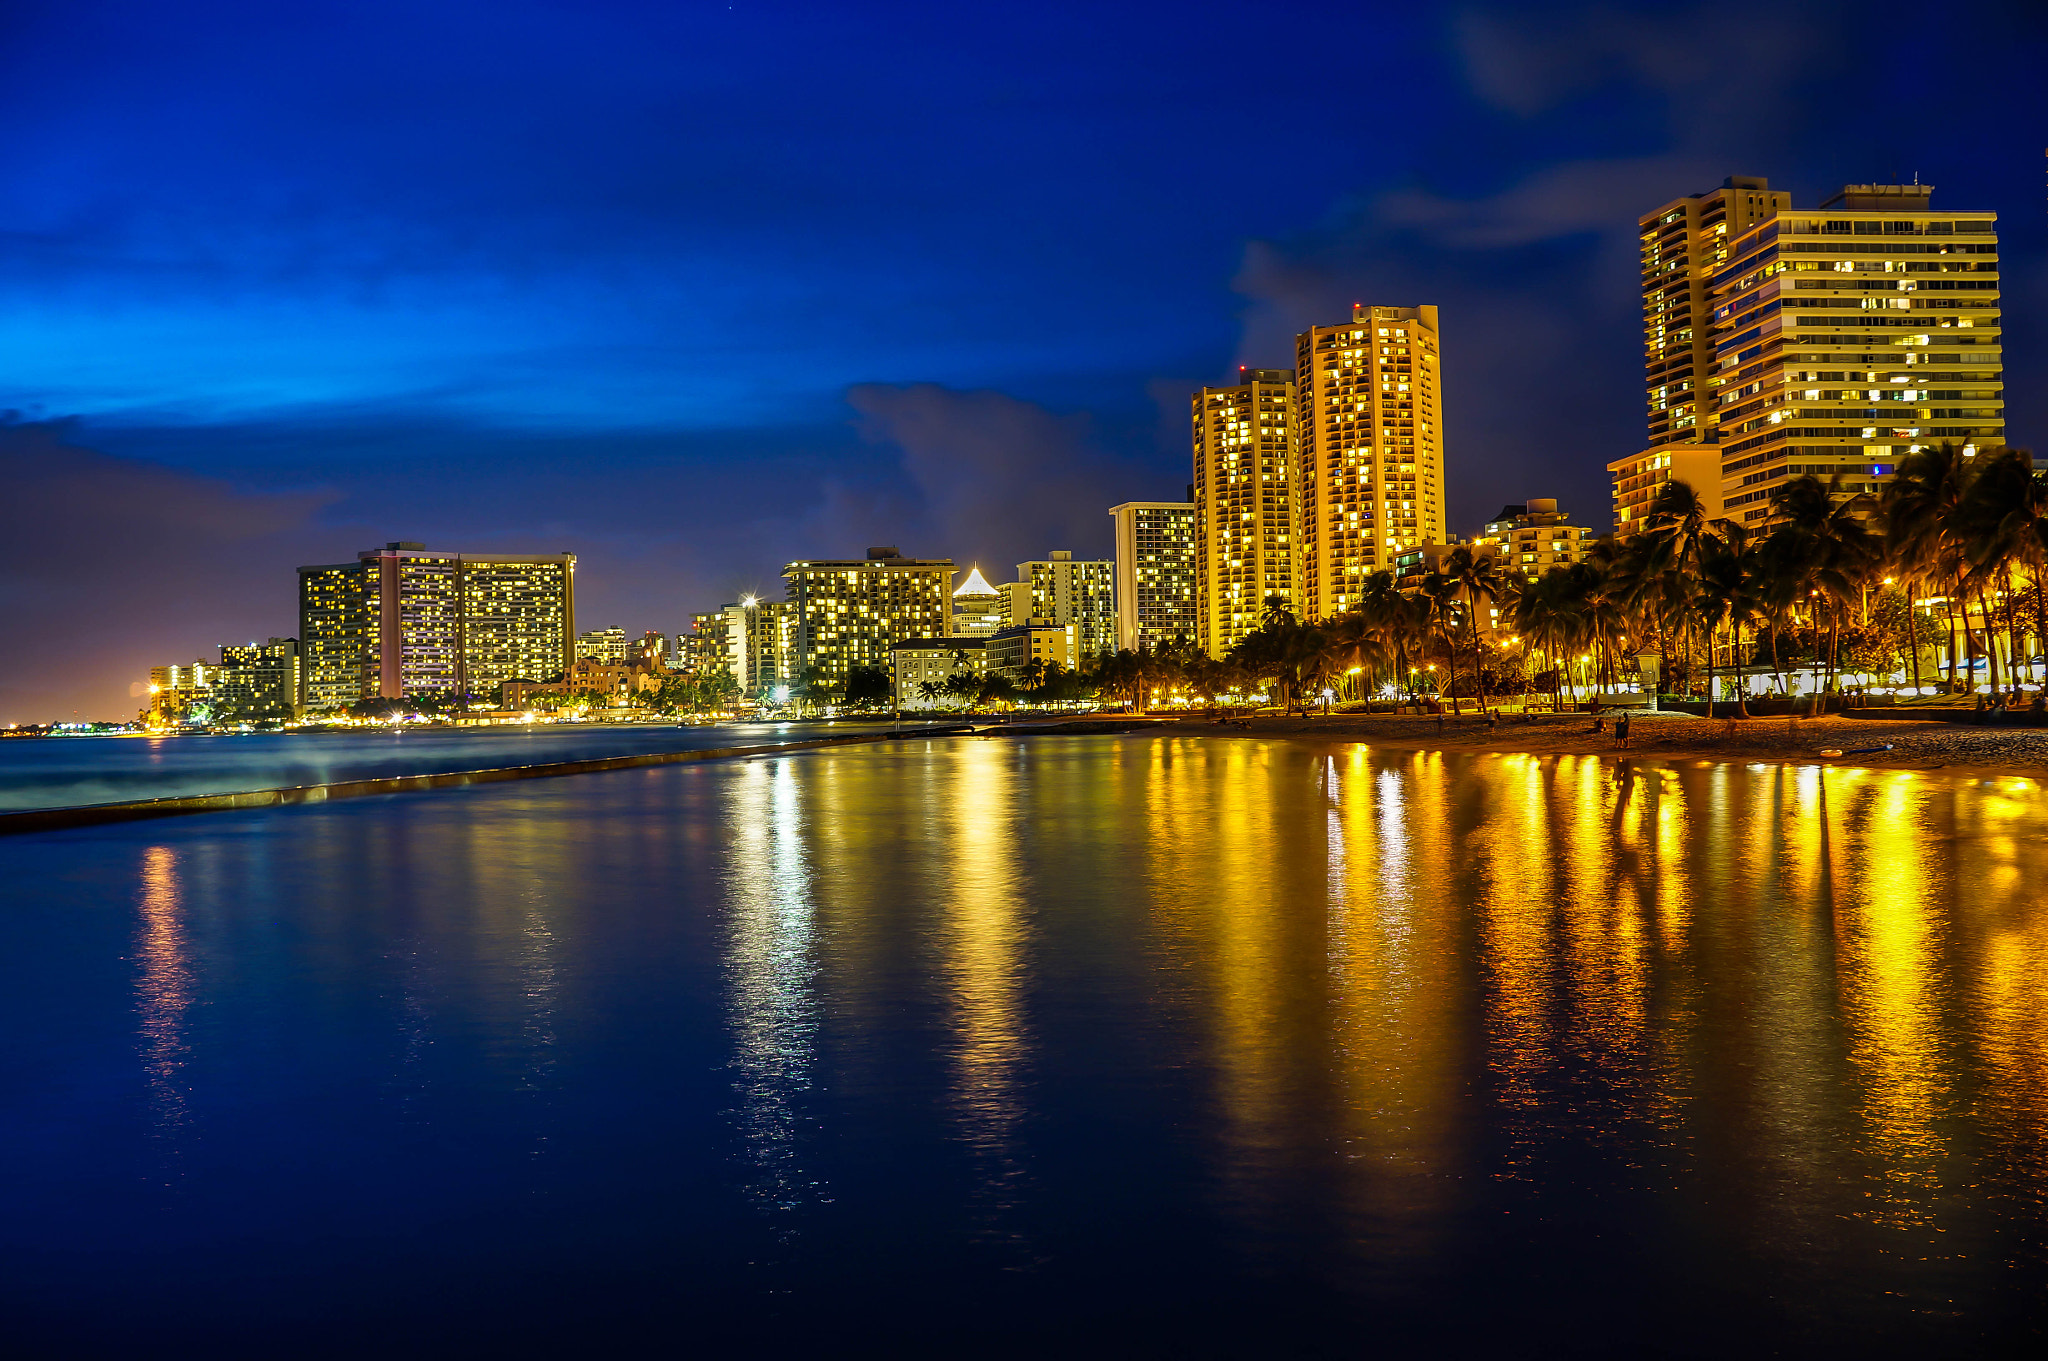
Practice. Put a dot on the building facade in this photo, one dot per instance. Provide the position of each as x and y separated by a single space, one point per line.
1155 575
979 609
258 680
175 691
1369 428
1057 591
1244 456
852 613
703 646
1534 537
1851 335
402 621
936 662
1684 245
758 644
601 645
1638 478
1011 652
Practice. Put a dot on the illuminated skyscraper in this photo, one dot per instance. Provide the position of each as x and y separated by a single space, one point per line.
401 621
1684 245
1369 402
1244 453
853 613
1850 335
759 642
1155 573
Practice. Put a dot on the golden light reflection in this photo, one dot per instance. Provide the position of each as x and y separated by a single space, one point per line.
1886 942
165 990
983 939
771 970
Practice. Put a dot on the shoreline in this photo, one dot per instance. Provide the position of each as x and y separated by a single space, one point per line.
1925 745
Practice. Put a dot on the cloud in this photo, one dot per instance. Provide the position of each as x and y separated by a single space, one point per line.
114 565
1002 480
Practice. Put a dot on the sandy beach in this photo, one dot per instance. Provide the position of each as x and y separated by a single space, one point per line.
1916 744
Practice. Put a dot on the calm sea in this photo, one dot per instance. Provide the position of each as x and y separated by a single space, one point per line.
1149 1045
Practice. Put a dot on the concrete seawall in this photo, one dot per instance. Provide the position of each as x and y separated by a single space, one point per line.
135 810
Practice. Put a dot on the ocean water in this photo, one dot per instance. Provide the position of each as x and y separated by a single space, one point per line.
1151 1045
67 772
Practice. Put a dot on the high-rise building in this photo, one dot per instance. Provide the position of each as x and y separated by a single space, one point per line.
602 645
1155 574
1056 591
1851 335
704 645
401 621
1638 478
175 691
1684 245
852 613
1533 537
979 609
758 640
1369 435
1244 453
258 680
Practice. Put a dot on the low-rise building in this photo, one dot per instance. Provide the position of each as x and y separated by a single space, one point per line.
1533 538
936 662
1012 650
1638 478
601 645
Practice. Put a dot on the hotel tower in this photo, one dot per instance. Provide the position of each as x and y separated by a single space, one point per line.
1370 478
1244 511
1851 335
401 621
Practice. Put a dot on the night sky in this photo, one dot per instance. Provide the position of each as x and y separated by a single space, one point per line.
692 290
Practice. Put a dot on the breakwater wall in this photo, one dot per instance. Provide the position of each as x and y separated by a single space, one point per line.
136 810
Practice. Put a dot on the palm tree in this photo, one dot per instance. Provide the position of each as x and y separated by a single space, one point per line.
1825 535
1475 577
1921 508
2003 526
1550 613
1670 551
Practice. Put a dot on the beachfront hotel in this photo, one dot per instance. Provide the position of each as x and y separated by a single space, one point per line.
1369 431
1058 592
1684 246
979 609
1534 537
849 613
760 644
1851 335
1155 574
401 621
1243 440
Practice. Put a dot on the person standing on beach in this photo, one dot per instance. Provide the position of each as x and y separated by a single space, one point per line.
1621 730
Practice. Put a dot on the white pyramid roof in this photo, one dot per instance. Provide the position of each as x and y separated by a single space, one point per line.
976 584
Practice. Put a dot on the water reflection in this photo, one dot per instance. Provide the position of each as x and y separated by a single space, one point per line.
164 991
1765 1043
771 969
983 940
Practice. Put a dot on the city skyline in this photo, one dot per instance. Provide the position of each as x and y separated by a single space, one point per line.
1002 413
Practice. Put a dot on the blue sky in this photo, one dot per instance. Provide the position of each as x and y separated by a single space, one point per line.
692 290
